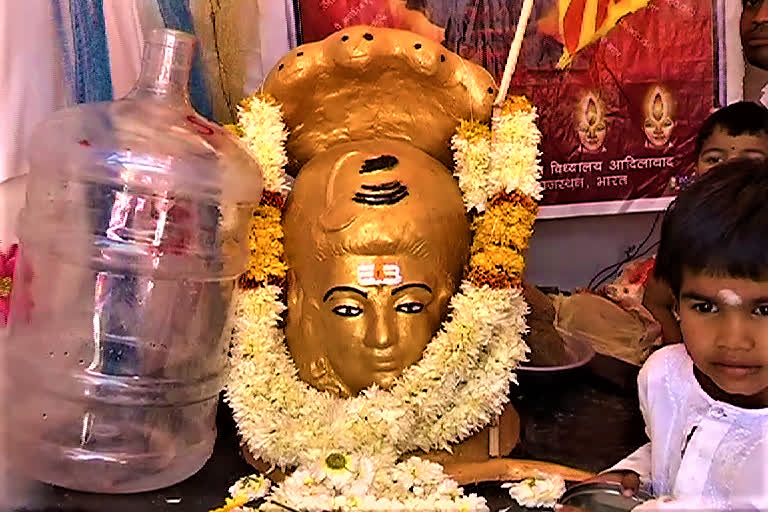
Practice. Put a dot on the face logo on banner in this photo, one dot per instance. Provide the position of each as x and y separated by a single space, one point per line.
658 124
591 123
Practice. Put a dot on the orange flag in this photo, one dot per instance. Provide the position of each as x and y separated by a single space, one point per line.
582 22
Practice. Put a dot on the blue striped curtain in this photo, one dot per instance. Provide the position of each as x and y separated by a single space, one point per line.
177 15
83 37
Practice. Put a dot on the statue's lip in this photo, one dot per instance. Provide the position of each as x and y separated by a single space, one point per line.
385 364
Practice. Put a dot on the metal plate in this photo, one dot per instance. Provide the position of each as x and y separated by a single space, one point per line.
602 497
578 351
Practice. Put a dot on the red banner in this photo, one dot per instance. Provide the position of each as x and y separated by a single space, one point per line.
617 125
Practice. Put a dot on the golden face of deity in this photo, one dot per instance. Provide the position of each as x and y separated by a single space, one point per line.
591 122
376 237
658 124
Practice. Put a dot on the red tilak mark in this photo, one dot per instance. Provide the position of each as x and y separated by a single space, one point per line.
84 142
378 272
201 127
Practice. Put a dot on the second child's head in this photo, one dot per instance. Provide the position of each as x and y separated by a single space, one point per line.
739 130
714 255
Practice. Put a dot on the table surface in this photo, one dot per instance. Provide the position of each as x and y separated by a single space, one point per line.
574 418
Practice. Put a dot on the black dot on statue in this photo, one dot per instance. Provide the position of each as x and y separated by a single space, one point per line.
281 66
345 38
417 46
490 90
442 58
368 36
300 54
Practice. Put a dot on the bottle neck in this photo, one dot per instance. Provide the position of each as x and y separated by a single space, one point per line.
165 67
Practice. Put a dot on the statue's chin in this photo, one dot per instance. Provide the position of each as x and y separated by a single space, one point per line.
383 380
386 380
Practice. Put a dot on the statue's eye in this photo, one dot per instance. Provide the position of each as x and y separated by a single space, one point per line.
347 310
410 307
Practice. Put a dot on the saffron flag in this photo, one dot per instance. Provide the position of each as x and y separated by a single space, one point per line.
583 22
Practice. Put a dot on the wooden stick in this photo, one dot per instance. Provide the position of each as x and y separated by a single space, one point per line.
514 53
502 470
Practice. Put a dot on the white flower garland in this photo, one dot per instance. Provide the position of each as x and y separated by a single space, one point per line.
504 161
459 385
357 484
457 388
515 153
472 159
264 134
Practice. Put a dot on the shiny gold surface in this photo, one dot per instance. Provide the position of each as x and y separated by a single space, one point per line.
345 335
364 82
375 256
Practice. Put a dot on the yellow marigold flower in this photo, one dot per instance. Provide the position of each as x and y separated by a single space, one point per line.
234 130
6 285
516 237
232 503
472 131
504 224
265 242
499 258
516 104
495 280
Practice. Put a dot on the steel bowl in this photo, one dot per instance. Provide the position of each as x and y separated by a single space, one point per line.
578 353
602 497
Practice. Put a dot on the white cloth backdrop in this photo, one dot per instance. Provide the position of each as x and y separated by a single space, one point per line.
32 84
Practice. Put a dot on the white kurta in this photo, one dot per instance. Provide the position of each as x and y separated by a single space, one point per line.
701 450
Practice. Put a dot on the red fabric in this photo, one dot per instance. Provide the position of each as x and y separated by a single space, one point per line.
7 270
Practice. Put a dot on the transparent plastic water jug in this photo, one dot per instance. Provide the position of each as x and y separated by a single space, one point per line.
131 239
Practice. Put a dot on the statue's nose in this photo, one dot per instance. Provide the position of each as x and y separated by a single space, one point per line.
381 332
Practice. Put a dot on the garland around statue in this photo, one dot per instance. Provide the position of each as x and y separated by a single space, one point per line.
462 381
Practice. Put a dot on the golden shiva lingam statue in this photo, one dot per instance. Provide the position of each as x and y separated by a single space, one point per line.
398 286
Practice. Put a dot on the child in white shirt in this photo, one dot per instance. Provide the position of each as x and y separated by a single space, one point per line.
705 402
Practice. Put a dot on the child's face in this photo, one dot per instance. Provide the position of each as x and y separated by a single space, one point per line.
724 322
720 147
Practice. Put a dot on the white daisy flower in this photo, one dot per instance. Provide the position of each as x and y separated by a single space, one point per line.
541 490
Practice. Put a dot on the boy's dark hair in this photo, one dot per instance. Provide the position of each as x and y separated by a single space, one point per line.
719 225
736 119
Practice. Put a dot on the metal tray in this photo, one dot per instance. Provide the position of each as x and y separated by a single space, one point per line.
602 497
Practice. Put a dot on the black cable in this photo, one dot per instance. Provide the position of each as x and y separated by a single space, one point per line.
631 253
627 260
